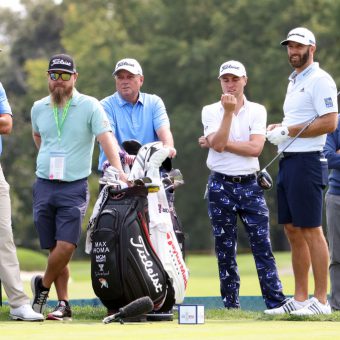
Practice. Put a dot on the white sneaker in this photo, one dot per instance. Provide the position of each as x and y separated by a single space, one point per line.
289 306
314 307
25 313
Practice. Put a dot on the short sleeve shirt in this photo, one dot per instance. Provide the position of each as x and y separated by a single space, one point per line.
250 120
85 120
4 107
309 93
138 121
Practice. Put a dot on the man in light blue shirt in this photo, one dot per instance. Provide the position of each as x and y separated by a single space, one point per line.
65 125
133 114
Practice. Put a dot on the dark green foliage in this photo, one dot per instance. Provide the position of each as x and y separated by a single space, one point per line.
180 45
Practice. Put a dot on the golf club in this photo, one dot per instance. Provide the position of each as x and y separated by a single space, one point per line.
263 178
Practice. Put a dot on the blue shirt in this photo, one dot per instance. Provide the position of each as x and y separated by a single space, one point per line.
85 120
331 146
4 107
139 121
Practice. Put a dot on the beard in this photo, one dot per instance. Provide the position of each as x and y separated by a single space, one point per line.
300 61
59 94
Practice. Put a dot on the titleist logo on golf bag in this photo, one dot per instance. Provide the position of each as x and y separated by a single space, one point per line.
148 263
124 265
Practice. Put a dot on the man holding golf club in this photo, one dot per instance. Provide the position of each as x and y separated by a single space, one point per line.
311 100
234 132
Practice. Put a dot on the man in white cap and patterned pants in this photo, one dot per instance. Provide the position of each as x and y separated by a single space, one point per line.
234 132
311 98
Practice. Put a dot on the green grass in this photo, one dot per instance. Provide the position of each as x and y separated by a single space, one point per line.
31 260
203 280
219 324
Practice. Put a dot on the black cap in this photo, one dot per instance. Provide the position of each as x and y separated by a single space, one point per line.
62 62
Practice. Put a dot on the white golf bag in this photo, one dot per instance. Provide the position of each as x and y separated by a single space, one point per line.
147 163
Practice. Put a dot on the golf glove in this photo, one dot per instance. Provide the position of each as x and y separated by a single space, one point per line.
278 135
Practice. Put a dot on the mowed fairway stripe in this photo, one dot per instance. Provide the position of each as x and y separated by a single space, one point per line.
212 329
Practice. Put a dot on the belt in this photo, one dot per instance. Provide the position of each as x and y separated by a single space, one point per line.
234 179
60 181
290 154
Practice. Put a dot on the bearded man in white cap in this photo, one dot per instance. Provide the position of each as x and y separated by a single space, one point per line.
311 98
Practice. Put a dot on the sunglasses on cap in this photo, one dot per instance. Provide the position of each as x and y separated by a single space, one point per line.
64 76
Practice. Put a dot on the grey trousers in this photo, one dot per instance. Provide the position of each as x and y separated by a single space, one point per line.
333 236
9 264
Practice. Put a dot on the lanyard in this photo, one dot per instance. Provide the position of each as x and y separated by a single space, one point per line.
63 117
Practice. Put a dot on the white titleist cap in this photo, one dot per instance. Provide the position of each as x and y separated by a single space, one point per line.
128 64
300 35
232 67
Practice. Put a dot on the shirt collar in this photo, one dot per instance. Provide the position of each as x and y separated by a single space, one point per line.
122 102
294 77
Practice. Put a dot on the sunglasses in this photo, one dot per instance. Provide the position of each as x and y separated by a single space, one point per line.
63 76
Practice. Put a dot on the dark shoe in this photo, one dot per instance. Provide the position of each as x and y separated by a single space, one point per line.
160 316
39 295
61 312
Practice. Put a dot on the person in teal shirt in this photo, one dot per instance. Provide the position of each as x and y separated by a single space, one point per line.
65 126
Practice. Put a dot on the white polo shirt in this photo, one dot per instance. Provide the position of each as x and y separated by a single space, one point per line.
309 93
251 119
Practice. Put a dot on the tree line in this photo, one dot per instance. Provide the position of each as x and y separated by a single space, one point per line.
180 45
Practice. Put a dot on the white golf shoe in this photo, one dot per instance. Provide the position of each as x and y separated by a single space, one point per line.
288 307
25 313
314 307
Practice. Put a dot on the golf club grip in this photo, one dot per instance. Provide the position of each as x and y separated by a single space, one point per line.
135 308
138 307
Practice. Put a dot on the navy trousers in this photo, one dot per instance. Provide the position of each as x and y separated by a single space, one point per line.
226 201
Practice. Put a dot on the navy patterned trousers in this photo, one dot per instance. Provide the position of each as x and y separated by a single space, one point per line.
226 201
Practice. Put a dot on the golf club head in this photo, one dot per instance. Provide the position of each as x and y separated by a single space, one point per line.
264 180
